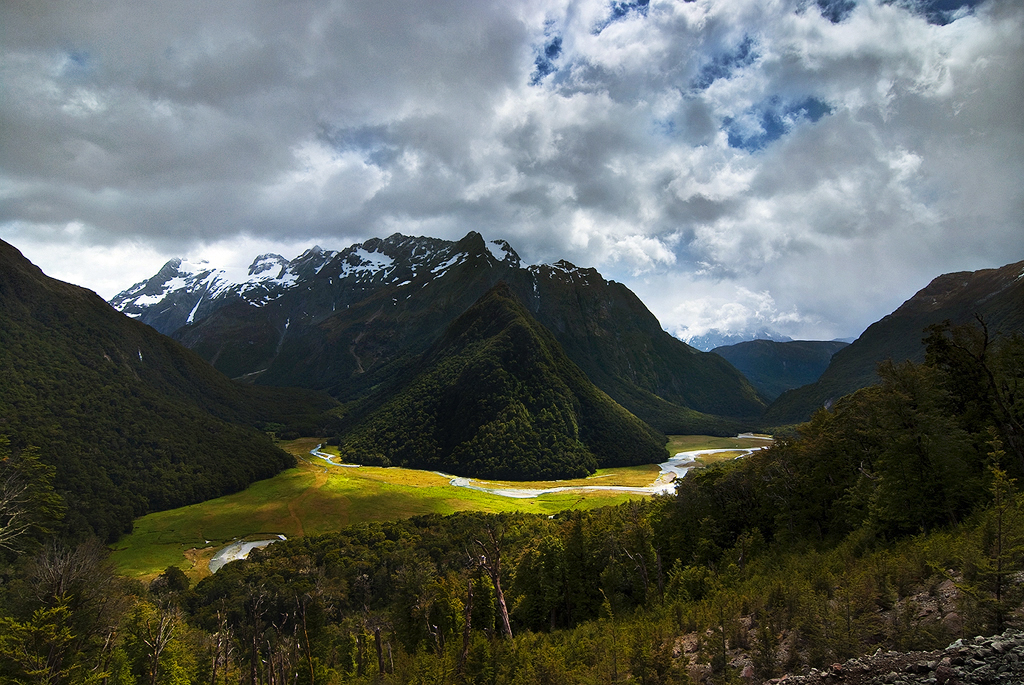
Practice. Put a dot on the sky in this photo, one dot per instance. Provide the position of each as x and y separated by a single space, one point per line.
791 165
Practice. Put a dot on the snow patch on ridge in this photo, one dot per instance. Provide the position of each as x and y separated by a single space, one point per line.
361 262
456 259
192 314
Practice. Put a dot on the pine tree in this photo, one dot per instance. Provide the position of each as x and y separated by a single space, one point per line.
998 553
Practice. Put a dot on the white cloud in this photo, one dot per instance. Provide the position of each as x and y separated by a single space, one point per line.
164 129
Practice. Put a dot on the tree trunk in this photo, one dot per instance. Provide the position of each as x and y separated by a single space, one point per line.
490 561
380 651
467 628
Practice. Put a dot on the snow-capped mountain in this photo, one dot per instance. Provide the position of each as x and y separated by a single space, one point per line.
354 322
184 292
715 338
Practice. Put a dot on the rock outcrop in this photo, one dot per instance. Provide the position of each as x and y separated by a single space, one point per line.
991 660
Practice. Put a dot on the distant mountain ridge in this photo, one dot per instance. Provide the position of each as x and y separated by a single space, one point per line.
996 295
774 367
713 338
354 321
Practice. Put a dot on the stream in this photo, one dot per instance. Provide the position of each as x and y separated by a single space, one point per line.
676 467
239 550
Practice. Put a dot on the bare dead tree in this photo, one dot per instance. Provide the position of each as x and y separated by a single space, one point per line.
28 504
156 635
490 561
14 518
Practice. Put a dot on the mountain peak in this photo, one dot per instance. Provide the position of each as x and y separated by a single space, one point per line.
267 262
472 244
504 253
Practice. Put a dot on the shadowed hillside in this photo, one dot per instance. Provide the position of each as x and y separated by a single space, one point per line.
774 367
133 421
995 295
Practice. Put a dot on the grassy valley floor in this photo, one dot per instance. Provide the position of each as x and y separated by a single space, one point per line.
317 497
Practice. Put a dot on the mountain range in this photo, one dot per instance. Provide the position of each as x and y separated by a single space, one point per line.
773 367
714 338
134 422
439 354
354 323
994 296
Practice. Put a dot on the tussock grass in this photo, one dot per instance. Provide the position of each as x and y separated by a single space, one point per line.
708 459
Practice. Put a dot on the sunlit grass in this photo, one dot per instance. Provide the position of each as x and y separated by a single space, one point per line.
708 459
318 498
688 443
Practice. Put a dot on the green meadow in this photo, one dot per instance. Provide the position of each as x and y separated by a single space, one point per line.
686 443
316 497
736 446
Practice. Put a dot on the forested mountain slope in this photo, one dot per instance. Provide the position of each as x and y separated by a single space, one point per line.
995 295
773 367
346 322
497 397
606 330
133 421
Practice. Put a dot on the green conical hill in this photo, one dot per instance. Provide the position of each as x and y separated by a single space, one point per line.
497 397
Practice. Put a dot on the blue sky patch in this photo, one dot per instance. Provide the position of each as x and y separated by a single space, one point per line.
620 10
723 66
940 12
544 63
768 121
77 64
836 11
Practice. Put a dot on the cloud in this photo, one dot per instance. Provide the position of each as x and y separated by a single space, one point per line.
832 156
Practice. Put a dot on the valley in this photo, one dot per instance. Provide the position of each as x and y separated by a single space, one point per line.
315 498
492 434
